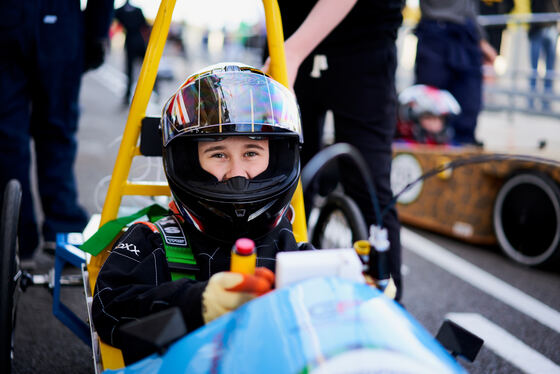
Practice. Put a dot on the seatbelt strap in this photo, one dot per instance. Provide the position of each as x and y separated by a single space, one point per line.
109 231
179 254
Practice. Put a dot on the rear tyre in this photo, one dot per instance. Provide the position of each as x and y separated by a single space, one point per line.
527 219
340 223
8 279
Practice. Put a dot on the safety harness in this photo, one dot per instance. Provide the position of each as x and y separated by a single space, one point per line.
180 258
177 250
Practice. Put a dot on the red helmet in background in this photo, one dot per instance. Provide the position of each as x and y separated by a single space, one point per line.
421 108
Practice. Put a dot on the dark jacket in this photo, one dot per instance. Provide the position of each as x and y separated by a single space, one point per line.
135 280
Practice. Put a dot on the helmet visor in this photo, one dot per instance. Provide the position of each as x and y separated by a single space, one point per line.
230 102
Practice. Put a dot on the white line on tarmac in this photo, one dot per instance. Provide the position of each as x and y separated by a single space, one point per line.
504 344
480 279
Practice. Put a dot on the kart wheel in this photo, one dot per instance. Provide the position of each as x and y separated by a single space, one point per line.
8 250
340 223
527 219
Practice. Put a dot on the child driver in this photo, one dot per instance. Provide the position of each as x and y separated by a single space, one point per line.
231 138
424 113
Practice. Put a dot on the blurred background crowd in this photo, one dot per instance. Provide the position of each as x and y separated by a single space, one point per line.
199 36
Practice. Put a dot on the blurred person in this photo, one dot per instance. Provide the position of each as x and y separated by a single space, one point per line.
494 32
45 48
176 37
136 28
424 113
543 37
341 56
450 52
494 35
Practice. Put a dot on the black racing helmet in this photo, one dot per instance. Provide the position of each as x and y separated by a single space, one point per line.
231 100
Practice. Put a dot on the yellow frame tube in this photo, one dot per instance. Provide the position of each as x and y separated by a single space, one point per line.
137 111
147 189
112 357
278 70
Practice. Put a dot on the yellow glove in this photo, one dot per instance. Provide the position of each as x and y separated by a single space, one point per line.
227 291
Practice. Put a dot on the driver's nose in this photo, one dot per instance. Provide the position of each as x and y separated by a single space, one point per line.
236 170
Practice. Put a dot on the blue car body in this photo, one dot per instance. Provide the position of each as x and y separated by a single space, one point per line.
320 325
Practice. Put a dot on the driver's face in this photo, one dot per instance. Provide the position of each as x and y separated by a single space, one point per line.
234 156
431 123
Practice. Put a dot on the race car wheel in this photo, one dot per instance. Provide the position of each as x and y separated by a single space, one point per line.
340 223
527 219
8 246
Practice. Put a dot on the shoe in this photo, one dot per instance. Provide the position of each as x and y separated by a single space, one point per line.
472 143
28 264
126 101
478 143
49 247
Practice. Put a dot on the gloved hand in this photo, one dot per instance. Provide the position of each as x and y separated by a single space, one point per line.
226 291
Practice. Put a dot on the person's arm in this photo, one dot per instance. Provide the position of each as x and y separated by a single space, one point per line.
135 281
322 19
97 19
489 53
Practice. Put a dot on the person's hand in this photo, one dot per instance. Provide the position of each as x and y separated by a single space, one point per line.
293 61
94 54
227 291
489 54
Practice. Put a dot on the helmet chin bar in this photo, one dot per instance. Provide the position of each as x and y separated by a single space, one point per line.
235 184
261 210
238 223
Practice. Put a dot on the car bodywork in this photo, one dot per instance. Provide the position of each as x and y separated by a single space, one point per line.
482 197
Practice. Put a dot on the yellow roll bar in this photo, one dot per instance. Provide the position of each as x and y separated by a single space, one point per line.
120 186
278 70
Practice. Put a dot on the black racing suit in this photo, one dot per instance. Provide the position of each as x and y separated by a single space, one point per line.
135 281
